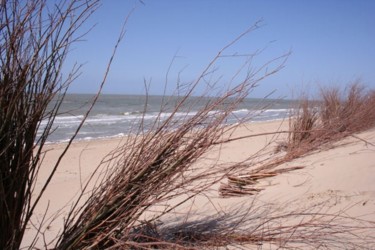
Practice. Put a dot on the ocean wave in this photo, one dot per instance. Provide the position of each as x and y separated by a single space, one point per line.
64 119
276 110
136 115
242 111
101 126
88 138
133 112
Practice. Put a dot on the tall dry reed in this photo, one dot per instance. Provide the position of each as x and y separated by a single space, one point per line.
157 164
339 114
156 172
35 39
333 115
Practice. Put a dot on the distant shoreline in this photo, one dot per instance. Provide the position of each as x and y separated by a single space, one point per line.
118 115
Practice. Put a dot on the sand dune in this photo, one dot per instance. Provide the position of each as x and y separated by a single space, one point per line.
339 176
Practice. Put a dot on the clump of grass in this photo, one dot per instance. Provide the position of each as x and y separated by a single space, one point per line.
340 113
302 125
157 165
153 168
350 114
35 38
335 114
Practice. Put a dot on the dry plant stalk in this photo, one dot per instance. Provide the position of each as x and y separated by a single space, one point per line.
157 164
239 185
312 125
154 166
338 115
305 121
35 38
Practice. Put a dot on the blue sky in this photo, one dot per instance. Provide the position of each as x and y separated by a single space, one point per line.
332 43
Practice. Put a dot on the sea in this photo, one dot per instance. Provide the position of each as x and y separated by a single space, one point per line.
117 115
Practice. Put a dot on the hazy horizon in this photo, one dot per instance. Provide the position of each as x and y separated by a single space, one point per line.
331 43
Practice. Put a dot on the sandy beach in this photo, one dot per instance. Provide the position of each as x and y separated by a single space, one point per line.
339 176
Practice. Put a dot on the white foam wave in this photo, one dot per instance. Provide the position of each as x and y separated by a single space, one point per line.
102 126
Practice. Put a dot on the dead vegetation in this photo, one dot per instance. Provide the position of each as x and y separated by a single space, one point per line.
34 41
155 167
332 116
336 115
244 184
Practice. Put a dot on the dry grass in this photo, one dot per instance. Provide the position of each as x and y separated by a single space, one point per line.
153 167
239 185
347 115
304 122
156 169
340 114
336 115
35 39
157 164
314 124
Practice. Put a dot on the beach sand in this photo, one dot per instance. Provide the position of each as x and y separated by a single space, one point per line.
340 176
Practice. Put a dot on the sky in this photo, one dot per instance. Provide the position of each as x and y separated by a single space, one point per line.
172 41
